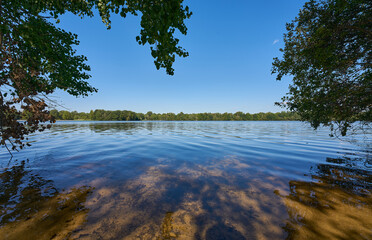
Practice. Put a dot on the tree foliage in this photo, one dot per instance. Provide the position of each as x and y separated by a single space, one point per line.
328 53
125 115
37 57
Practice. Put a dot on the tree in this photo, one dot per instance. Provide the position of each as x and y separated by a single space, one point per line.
37 57
328 53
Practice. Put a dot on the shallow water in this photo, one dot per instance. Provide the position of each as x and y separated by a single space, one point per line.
186 180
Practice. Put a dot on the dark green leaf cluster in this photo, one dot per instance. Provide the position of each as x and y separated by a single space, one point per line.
159 21
104 115
37 57
328 51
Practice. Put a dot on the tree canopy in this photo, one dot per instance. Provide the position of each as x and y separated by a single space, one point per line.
328 53
37 57
125 115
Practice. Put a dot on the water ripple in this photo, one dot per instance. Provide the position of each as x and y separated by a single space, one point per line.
192 180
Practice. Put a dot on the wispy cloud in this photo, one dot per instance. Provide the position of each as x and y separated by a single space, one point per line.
275 41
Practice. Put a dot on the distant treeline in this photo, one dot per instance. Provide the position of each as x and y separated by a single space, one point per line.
103 115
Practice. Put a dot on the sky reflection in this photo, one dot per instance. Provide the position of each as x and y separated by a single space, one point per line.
187 181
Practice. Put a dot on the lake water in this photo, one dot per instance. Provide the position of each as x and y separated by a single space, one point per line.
187 180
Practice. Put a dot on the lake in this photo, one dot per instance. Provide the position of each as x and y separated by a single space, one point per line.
187 180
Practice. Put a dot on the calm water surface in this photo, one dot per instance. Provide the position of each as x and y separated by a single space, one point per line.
187 180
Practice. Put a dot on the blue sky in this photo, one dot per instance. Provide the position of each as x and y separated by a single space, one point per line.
231 46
